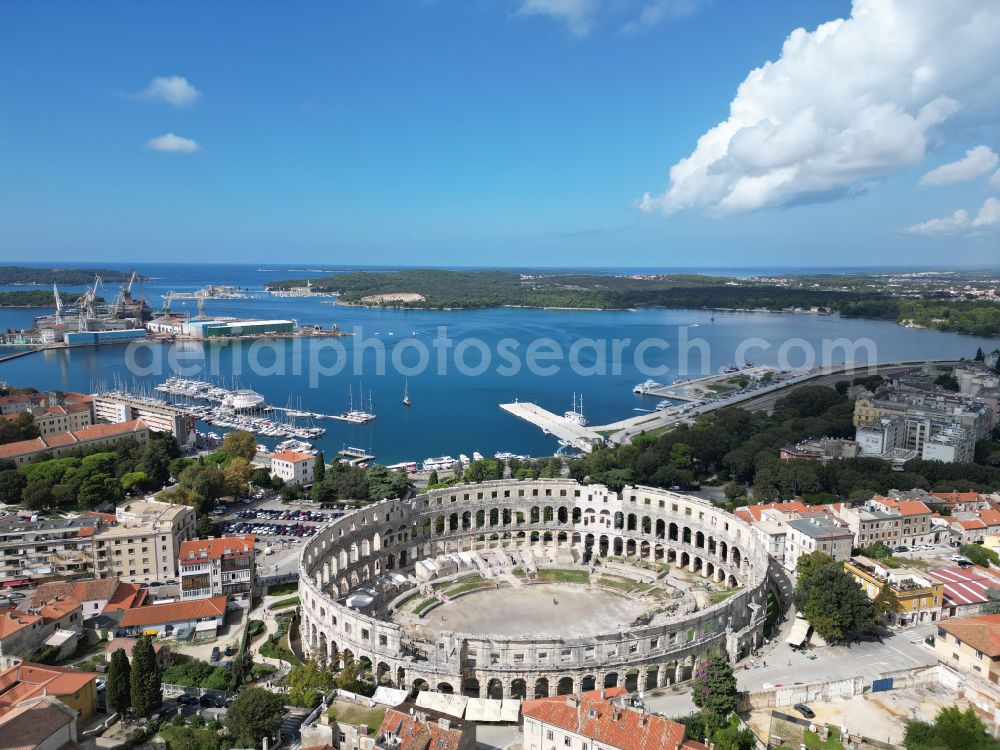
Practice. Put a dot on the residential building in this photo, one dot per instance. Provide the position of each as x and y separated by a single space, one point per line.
959 501
971 645
823 449
17 403
143 547
293 467
34 550
158 416
965 589
218 567
407 727
161 650
20 633
59 418
22 681
818 534
58 445
950 445
596 720
200 617
915 525
43 723
880 436
95 595
920 597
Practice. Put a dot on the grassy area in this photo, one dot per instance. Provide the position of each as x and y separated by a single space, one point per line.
617 582
292 601
254 629
276 647
903 562
360 715
425 604
443 585
813 742
466 586
561 575
721 596
291 587
519 572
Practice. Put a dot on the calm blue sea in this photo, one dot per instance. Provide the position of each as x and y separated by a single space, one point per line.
454 411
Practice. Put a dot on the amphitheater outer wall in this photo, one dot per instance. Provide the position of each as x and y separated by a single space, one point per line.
638 523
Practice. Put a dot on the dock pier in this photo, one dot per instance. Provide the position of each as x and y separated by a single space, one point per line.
582 438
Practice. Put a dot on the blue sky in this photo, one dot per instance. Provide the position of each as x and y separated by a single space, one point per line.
496 132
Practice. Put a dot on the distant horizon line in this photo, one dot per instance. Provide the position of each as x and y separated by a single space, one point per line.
326 267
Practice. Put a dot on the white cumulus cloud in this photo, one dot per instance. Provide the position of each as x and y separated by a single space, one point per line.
173 90
995 179
960 222
577 15
843 106
173 143
976 162
655 11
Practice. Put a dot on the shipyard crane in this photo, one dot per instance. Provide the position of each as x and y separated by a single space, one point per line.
59 305
167 299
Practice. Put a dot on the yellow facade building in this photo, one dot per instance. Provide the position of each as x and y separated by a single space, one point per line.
920 597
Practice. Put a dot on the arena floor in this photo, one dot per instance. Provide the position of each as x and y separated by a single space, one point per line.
561 610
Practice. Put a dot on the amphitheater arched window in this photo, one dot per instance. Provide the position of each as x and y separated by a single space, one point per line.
480 519
466 520
548 514
647 524
631 522
619 520
439 525
577 515
533 514
542 687
699 540
686 538
563 514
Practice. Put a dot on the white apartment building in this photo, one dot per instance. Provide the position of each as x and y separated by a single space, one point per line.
144 546
293 467
218 567
808 535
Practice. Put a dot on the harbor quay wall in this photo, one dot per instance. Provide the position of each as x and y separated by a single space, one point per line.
651 526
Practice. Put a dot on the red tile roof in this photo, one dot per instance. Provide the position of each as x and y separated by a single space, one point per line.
953 498
127 596
27 680
982 632
94 589
970 523
415 733
57 609
906 507
28 725
12 621
605 723
160 614
196 550
752 513
292 457
62 439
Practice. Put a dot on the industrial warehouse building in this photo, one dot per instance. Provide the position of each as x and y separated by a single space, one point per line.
221 328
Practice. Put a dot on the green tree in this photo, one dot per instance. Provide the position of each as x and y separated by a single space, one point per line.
992 604
953 729
146 678
432 479
308 683
980 555
261 477
12 483
255 714
239 444
99 489
835 604
119 688
886 605
320 470
805 567
714 686
135 481
37 495
236 476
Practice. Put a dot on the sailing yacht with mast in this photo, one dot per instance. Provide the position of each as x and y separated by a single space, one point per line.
406 393
576 413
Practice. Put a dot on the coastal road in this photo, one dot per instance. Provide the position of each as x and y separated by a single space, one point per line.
764 398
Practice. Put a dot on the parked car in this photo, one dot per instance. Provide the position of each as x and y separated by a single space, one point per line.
957 559
805 710
100 684
215 654
186 699
901 548
211 701
229 649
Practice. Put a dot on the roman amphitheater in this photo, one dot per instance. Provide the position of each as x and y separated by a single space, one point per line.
522 589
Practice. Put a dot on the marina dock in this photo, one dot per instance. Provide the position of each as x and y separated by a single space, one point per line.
582 438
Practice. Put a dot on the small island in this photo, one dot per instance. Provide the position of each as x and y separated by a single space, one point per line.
18 275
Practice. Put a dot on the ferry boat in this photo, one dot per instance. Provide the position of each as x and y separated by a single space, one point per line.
438 464
575 414
646 386
477 456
